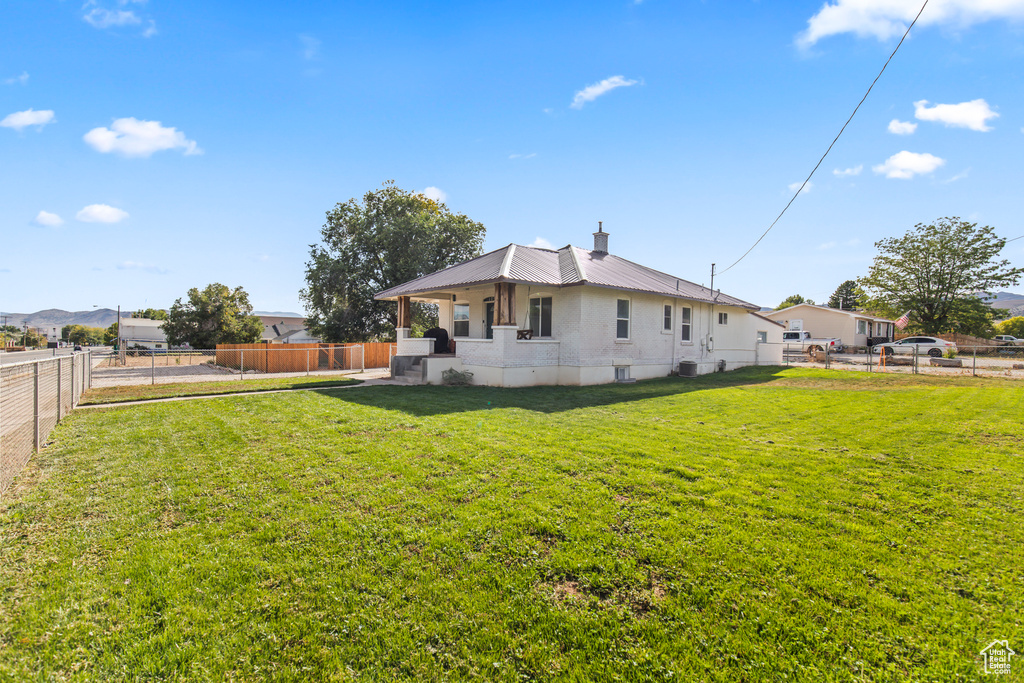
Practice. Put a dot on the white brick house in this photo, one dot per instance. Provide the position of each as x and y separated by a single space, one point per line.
523 316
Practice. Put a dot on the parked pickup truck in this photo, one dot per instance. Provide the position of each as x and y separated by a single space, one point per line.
810 344
1008 340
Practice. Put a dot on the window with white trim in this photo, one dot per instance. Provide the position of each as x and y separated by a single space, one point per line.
622 319
540 316
460 320
685 323
666 322
862 327
723 318
762 337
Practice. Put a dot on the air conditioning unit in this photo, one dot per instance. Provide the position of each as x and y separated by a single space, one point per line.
687 368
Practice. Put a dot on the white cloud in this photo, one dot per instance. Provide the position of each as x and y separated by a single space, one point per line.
436 194
19 80
23 119
897 127
793 187
592 92
885 19
827 245
150 30
908 164
105 18
971 114
848 171
47 219
133 138
136 265
522 156
310 47
101 213
541 243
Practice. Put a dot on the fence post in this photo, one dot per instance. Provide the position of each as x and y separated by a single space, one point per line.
362 357
60 404
152 367
917 350
974 365
307 362
241 364
35 406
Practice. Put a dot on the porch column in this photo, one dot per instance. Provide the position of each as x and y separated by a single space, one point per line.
404 312
504 304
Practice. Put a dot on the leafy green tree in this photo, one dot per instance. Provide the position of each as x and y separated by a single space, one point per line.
32 338
8 333
846 297
792 300
80 334
110 334
937 271
150 314
392 236
214 315
1012 326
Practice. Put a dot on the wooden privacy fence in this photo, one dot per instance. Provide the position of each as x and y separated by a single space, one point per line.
272 358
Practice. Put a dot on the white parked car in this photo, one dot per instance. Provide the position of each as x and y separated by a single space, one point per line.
1009 340
932 346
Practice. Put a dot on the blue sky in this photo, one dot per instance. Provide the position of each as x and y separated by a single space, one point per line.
150 147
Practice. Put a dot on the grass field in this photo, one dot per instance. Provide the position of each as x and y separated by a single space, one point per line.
759 525
142 392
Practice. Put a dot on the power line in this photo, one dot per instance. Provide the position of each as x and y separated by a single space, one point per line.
822 159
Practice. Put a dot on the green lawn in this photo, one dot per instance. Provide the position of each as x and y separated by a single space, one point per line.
143 392
759 525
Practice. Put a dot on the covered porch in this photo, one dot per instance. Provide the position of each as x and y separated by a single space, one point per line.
490 326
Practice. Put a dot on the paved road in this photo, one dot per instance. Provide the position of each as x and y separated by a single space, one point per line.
22 356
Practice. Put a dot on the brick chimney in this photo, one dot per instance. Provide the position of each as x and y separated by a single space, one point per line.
600 240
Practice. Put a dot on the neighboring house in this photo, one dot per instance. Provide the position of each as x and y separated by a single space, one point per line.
524 316
143 332
853 327
286 330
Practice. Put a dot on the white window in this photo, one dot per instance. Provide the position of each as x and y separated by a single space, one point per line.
762 337
621 374
622 319
684 317
460 324
723 318
666 323
862 327
540 316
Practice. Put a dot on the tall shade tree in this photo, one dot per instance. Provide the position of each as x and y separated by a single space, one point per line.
846 297
937 272
211 316
792 300
391 237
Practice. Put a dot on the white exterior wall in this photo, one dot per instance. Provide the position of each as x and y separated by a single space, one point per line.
583 348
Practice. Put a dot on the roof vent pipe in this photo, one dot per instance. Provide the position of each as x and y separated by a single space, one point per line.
600 240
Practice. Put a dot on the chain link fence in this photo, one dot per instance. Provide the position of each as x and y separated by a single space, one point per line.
237 361
34 397
976 360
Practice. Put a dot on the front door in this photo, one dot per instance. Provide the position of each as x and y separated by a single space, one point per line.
489 320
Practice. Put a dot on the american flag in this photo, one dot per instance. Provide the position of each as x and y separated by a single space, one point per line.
902 322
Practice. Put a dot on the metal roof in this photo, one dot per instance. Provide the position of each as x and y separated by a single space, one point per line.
565 267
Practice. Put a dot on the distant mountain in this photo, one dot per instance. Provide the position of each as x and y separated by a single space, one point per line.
55 317
1008 300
